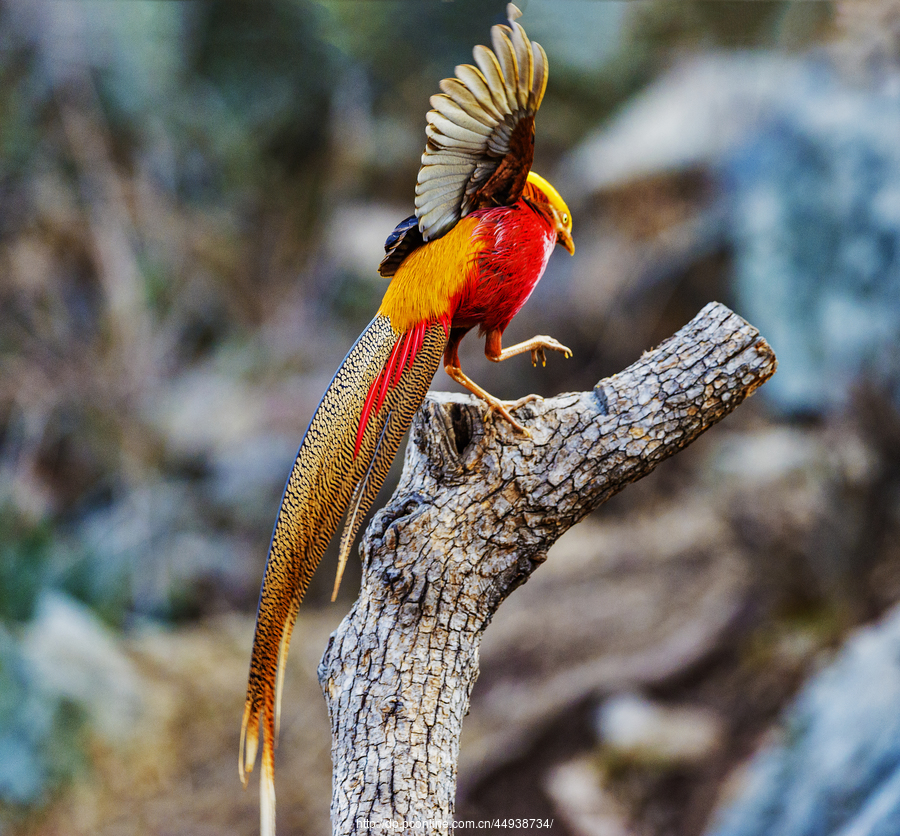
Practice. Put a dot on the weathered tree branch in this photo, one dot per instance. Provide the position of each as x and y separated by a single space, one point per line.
476 510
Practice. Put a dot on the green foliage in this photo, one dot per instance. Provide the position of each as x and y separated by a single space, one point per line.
35 556
272 71
25 550
394 38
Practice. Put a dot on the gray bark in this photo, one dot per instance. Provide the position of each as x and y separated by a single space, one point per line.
477 508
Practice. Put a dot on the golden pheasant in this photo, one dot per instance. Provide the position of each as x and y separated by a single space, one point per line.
483 230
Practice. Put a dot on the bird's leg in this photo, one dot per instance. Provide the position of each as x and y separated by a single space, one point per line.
497 405
452 367
493 349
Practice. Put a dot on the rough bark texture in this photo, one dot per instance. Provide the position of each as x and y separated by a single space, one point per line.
476 510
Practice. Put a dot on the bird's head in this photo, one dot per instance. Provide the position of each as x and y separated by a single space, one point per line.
550 202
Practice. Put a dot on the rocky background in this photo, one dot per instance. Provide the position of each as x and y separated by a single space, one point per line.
193 199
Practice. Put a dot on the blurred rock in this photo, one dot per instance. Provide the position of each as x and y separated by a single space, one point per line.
588 808
66 678
688 118
36 742
151 548
802 506
816 228
632 727
178 772
74 656
836 769
807 163
620 606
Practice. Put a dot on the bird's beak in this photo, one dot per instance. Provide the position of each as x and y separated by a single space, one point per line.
564 237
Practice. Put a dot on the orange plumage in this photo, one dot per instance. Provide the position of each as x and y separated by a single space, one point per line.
485 226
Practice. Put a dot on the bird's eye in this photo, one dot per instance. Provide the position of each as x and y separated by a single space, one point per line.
565 219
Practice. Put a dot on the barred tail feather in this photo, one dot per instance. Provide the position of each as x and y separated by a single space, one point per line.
406 376
342 462
360 503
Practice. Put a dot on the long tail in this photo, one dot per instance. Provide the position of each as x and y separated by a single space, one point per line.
342 463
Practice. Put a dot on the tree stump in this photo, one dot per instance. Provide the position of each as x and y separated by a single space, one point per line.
477 508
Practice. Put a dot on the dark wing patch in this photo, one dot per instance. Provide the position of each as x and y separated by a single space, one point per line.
481 131
405 238
506 184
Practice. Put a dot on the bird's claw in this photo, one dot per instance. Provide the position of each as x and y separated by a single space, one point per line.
520 428
525 399
538 352
496 405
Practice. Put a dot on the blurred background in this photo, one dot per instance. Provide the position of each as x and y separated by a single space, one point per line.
194 197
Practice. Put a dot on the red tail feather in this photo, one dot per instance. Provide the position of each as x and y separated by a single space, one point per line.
402 356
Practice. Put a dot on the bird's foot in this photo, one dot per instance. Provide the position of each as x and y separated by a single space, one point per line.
500 407
523 401
495 404
541 344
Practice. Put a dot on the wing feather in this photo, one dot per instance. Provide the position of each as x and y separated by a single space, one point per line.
506 58
493 73
476 83
445 105
441 140
438 200
480 132
439 217
524 62
451 128
466 99
541 74
442 173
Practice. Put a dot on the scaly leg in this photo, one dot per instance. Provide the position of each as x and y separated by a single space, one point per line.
497 405
494 351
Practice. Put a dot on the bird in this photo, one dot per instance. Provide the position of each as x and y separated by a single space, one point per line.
470 255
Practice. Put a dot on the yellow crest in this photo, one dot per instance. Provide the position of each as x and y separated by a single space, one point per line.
558 213
554 198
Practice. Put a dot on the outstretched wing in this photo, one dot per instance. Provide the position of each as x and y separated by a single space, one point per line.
480 138
481 130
